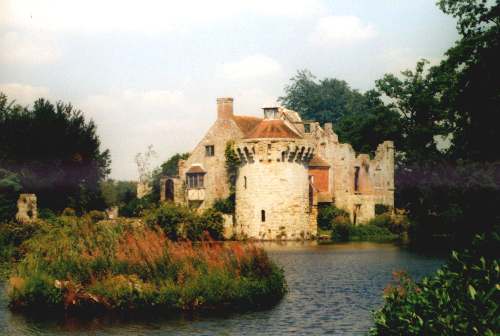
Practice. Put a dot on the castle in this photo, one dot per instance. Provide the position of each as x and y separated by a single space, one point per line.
289 167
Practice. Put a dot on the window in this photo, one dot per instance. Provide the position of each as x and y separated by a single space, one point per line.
195 180
263 215
245 181
209 150
307 128
356 179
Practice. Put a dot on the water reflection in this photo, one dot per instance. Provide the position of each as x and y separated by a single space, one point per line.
332 290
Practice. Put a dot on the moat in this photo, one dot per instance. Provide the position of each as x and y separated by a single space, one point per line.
332 290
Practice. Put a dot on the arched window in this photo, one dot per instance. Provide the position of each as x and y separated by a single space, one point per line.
263 215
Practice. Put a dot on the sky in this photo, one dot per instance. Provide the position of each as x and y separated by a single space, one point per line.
149 72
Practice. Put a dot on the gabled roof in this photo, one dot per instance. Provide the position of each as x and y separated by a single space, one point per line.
246 123
272 128
196 168
317 161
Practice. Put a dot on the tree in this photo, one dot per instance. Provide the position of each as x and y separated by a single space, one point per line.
54 152
327 100
416 98
371 125
470 77
118 192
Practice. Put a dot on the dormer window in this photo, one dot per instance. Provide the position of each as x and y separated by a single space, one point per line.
271 112
307 128
209 150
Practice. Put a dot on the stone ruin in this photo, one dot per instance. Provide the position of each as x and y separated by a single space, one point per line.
26 208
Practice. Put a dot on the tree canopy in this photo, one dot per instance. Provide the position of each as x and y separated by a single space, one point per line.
54 152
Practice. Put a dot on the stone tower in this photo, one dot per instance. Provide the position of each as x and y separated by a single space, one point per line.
273 192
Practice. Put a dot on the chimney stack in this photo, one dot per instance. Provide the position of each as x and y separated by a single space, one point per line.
225 108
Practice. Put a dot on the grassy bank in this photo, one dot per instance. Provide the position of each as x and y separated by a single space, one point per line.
78 264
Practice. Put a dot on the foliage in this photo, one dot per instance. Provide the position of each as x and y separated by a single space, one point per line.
118 193
80 265
395 223
461 298
381 208
327 100
178 222
137 206
469 78
415 97
54 152
327 215
232 164
226 206
10 186
444 200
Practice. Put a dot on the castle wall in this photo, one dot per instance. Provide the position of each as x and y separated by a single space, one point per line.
279 188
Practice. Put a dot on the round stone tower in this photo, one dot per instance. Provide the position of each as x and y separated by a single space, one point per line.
273 193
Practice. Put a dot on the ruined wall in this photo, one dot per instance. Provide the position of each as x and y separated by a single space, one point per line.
278 187
27 211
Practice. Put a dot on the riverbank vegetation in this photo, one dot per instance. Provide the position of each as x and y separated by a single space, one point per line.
77 263
385 226
461 298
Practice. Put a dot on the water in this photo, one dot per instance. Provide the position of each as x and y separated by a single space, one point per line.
332 291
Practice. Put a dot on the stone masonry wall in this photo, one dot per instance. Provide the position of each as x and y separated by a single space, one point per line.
280 188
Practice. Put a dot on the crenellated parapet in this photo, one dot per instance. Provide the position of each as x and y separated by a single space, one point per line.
269 150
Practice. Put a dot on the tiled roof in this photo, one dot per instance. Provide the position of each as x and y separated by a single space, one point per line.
317 161
246 123
195 169
272 129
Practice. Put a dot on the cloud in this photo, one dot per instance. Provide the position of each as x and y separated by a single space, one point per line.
250 67
395 60
24 94
152 16
334 30
27 49
130 120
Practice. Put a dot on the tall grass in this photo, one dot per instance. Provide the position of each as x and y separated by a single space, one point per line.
78 264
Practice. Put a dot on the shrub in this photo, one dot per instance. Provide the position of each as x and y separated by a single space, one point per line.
461 298
173 219
226 206
381 209
395 223
68 212
370 232
96 215
123 266
327 215
341 230
136 207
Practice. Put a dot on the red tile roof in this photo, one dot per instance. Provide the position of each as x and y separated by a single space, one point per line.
272 129
246 123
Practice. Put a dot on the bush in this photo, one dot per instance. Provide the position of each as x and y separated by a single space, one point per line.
395 223
68 212
381 209
461 298
370 232
96 215
173 219
136 207
119 265
226 206
327 215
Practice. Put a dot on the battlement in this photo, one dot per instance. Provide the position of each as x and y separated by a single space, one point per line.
272 150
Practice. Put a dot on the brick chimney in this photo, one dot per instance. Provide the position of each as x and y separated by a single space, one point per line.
225 108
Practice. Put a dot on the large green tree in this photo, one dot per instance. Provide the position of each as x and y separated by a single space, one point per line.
360 119
54 152
470 79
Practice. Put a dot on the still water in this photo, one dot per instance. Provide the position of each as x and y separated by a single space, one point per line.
332 291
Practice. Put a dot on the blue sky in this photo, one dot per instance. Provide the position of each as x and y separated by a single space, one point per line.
148 72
